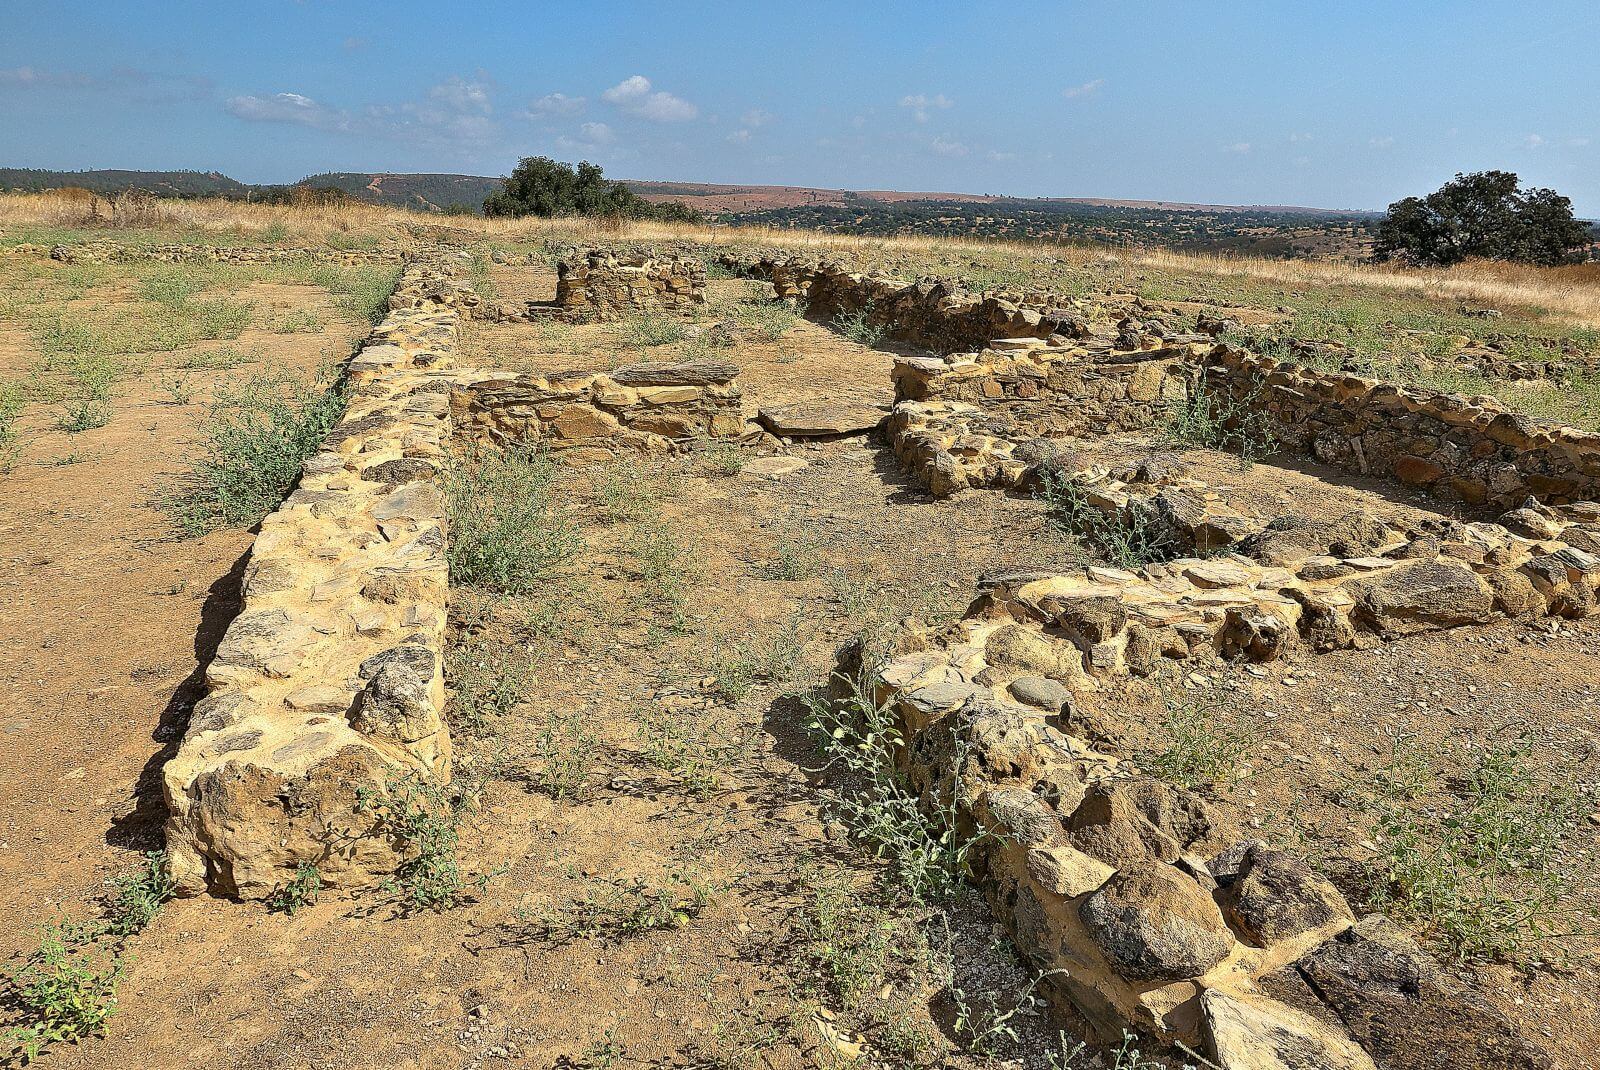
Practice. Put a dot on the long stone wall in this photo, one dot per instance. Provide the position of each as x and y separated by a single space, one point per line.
117 253
330 683
1473 450
933 313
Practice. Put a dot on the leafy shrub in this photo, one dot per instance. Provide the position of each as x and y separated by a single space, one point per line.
541 186
137 897
1202 749
1218 421
255 442
299 892
486 681
859 328
12 400
423 822
503 534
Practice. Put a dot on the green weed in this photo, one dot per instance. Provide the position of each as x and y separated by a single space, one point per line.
1128 538
257 438
503 534
1203 747
299 892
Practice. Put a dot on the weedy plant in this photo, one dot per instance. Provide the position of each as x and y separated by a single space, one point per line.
923 842
487 680
64 991
858 326
423 821
1221 421
178 384
256 439
722 458
1485 878
136 898
619 909
645 330
1129 538
299 892
504 535
564 749
1203 748
12 401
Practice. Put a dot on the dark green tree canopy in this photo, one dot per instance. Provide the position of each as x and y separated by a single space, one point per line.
545 187
1485 214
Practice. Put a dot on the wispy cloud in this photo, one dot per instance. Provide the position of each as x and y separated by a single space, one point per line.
1381 142
945 146
37 78
755 118
1299 139
287 108
555 104
636 96
921 104
456 113
1238 148
127 82
1087 89
1533 141
740 137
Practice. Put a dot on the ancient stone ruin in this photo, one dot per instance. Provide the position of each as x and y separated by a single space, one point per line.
1141 909
601 284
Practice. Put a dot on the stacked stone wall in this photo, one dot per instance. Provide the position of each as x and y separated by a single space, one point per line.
330 682
649 408
1473 450
116 253
603 285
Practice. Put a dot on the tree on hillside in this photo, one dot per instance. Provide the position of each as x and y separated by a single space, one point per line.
545 187
1485 214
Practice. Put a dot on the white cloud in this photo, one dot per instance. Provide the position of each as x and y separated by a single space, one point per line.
1533 141
597 133
1087 89
947 147
1238 148
455 114
1002 157
34 78
554 104
1576 142
635 96
921 103
740 137
755 117
1299 138
287 108
1381 142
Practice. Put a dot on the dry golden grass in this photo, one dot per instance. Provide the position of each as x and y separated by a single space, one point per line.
1568 292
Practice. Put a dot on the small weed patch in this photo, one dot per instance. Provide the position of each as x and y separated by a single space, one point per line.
504 536
423 821
1204 748
256 439
859 328
1211 420
1130 538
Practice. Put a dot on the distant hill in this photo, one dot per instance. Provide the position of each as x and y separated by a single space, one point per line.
428 193
1261 230
160 183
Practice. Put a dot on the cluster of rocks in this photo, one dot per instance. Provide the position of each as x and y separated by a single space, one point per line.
329 684
600 284
933 313
1141 909
1473 450
118 253
591 416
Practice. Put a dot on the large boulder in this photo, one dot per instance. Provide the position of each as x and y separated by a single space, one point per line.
1270 896
1406 1011
1419 596
1156 924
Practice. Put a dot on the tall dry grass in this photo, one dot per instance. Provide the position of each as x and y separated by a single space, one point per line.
1568 292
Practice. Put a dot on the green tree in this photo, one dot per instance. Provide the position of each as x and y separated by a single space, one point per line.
1485 214
545 187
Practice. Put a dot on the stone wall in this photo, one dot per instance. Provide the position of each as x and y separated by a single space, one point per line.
1473 450
117 253
646 408
603 285
932 313
1141 907
329 684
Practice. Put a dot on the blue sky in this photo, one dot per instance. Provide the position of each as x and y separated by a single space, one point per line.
1336 105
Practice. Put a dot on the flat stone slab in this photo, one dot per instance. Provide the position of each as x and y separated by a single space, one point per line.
807 419
689 373
772 467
